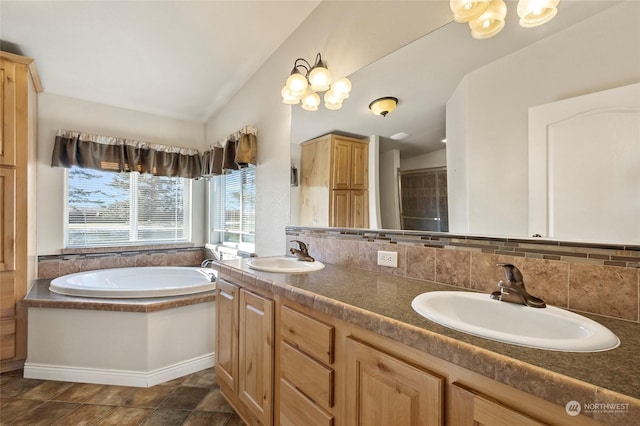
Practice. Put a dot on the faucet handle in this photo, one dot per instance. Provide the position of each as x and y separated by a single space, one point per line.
512 273
301 245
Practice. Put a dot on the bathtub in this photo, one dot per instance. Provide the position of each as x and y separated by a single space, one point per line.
114 339
138 282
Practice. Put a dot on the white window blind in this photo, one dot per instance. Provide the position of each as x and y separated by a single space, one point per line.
234 208
116 209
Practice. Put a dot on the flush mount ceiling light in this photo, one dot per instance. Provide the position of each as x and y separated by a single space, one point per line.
305 81
383 106
486 17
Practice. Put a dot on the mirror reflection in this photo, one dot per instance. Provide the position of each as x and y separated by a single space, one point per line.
478 94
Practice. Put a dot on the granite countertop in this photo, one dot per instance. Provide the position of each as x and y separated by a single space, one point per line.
382 303
41 297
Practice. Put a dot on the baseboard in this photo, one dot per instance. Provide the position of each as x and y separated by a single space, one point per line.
143 379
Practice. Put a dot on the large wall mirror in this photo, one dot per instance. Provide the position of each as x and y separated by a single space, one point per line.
478 95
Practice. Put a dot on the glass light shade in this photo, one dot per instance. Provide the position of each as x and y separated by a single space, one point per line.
297 84
467 10
320 79
491 22
310 101
383 106
332 100
288 98
536 12
341 87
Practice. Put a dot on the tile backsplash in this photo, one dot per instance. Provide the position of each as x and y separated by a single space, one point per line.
602 279
57 265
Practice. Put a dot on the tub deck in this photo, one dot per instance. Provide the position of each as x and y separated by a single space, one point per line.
41 297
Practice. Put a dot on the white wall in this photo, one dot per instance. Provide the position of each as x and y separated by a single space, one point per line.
487 137
425 161
375 218
60 112
389 202
457 182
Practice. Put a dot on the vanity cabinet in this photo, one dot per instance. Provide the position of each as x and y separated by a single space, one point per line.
473 409
18 259
283 362
307 378
245 351
384 390
334 182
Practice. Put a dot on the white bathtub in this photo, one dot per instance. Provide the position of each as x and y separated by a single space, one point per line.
119 283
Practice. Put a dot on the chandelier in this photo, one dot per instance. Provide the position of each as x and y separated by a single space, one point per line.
306 81
486 17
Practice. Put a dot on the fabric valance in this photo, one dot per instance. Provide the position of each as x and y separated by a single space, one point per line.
74 148
237 151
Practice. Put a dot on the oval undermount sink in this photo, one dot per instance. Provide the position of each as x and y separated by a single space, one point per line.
283 264
547 328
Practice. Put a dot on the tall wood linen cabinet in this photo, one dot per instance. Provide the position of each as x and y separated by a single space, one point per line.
334 188
18 259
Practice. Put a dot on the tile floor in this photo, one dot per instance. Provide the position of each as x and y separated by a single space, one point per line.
191 400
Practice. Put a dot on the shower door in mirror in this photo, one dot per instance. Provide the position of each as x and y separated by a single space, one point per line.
423 200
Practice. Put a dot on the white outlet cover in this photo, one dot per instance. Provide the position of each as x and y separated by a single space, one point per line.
388 258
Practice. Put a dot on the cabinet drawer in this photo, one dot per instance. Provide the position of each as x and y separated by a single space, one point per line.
296 409
312 378
307 334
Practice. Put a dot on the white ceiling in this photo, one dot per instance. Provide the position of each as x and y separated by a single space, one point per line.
183 59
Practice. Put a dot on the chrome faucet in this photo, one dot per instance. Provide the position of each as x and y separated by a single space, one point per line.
512 289
207 262
302 251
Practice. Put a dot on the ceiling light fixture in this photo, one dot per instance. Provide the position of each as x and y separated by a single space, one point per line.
399 136
383 106
305 81
486 17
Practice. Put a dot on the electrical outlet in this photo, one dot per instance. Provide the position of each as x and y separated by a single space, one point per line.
388 258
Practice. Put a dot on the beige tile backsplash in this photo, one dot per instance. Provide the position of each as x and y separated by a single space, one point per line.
598 279
58 265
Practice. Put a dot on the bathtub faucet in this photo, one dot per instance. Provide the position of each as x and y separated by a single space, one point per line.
217 257
302 251
209 272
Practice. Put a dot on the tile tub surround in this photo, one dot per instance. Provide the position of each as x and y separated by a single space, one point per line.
79 260
600 279
381 303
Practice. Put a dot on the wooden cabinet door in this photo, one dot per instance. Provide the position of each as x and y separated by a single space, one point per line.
340 209
359 165
7 219
472 409
383 390
359 209
256 353
8 113
227 333
341 164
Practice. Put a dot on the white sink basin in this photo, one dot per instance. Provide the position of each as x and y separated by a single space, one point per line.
283 265
548 328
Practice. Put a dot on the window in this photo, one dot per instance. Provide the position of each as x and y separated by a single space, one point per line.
233 209
115 209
